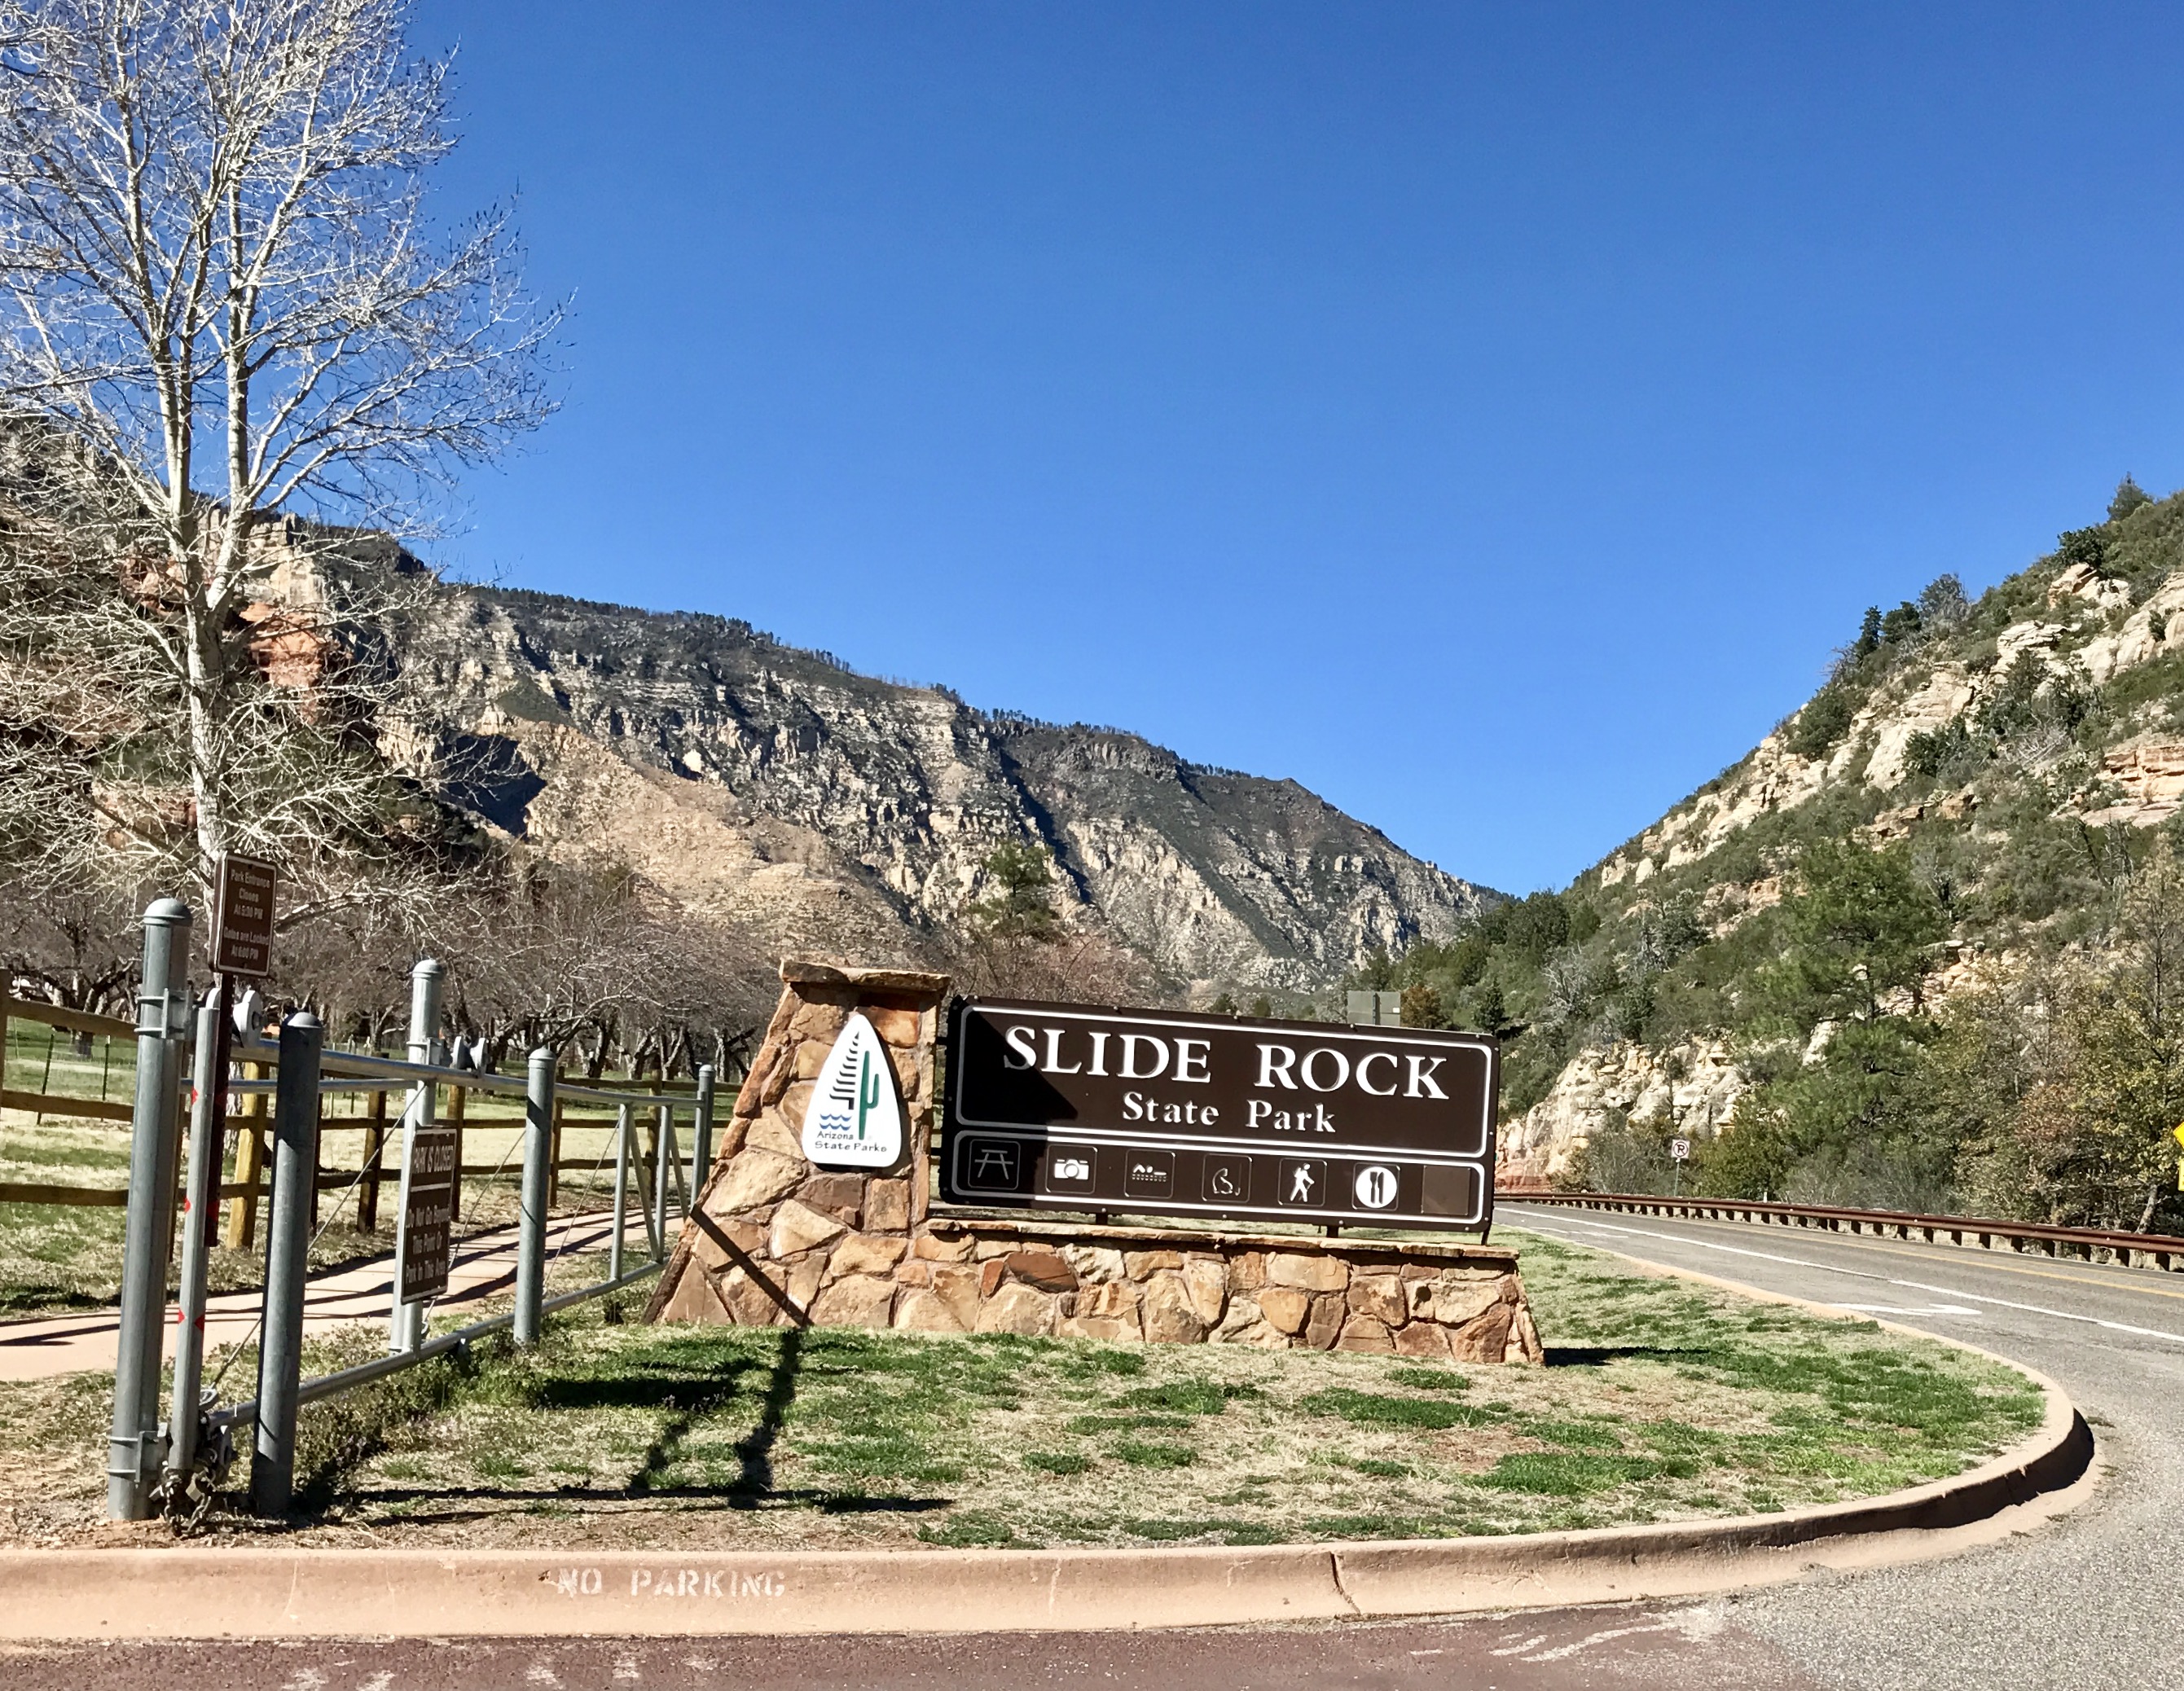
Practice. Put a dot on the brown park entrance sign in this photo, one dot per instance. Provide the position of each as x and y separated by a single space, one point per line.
1069 1107
242 928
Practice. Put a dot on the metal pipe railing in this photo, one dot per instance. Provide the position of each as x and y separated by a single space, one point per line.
2166 1249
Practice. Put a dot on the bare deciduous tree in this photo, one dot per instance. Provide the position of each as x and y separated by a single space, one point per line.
220 302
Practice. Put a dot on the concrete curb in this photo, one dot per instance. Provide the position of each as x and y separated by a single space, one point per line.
189 1592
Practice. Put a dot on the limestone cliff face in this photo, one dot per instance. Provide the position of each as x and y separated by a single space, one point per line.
1693 1087
821 809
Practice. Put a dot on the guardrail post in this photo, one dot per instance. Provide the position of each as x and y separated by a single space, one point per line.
701 1131
406 1324
621 1191
132 1447
537 1152
287 1248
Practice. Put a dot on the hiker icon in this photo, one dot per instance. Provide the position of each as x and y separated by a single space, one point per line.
1302 1181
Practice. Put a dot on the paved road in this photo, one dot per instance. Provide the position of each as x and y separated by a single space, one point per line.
2096 1601
481 1266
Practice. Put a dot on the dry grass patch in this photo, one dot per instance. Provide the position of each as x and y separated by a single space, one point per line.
1662 1401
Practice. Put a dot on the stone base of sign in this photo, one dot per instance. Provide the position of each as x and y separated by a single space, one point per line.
857 1250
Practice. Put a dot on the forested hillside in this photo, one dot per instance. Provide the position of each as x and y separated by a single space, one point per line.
1920 949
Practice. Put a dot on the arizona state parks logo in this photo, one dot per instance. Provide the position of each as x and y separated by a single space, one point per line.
854 1120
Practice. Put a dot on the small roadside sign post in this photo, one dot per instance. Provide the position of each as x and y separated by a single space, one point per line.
244 890
1680 1153
2177 1132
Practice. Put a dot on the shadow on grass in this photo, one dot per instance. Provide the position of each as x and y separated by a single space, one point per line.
1592 1355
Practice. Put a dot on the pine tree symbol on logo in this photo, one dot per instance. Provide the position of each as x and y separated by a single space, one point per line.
854 1120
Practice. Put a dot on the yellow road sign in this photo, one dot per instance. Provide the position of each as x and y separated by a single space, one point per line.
2178 1131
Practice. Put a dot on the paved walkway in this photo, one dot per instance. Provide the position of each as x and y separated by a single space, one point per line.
483 1265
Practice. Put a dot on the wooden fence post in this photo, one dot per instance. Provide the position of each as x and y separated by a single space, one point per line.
374 1159
457 1097
249 1165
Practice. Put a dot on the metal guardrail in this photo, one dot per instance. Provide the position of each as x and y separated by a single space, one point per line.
2158 1250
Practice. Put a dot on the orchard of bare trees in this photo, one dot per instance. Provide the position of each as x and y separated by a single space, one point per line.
238 371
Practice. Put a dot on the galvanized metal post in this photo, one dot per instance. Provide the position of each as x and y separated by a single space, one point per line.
206 1136
132 1452
288 1251
701 1132
621 1191
537 1151
406 1323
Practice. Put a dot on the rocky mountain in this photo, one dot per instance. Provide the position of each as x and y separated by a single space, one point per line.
820 809
2005 769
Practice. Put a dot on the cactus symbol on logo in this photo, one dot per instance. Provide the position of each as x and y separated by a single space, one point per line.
854 1120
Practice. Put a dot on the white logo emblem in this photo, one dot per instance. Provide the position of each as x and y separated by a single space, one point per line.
1376 1186
854 1120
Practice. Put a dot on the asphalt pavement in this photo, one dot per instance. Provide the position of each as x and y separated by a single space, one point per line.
2091 1601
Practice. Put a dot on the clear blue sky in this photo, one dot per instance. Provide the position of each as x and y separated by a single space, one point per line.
1489 417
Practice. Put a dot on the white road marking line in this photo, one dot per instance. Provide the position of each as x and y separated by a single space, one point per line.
1858 1274
1531 1644
1601 1637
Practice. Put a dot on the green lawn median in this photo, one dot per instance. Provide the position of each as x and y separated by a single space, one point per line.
1662 1400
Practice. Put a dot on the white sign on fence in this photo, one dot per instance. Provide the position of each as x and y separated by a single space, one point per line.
1680 1150
853 1119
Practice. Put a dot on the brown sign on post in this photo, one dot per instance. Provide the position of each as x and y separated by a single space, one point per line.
1066 1106
428 1211
243 930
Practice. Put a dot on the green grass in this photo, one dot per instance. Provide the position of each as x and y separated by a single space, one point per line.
1664 1401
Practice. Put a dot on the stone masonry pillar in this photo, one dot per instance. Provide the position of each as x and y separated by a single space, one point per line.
830 1241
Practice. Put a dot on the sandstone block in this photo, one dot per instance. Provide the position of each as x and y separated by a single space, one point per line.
913 1273
809 1058
1329 1310
1379 1296
1425 1339
1247 1272
1285 1307
887 1206
958 1288
802 1279
1095 1263
858 1301
747 1300
1243 1312
795 1099
728 1138
1044 1269
774 1134
1524 1344
1207 1279
865 1254
908 1074
983 1248
1485 1338
1167 1315
1018 1307
797 1227
1363 1332
1412 1273
750 1096
692 1300
747 1236
1310 1273
840 1195
821 1022
1459 1301
922 1311
934 1249
896 1027
1109 1298
1138 1264
754 1177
